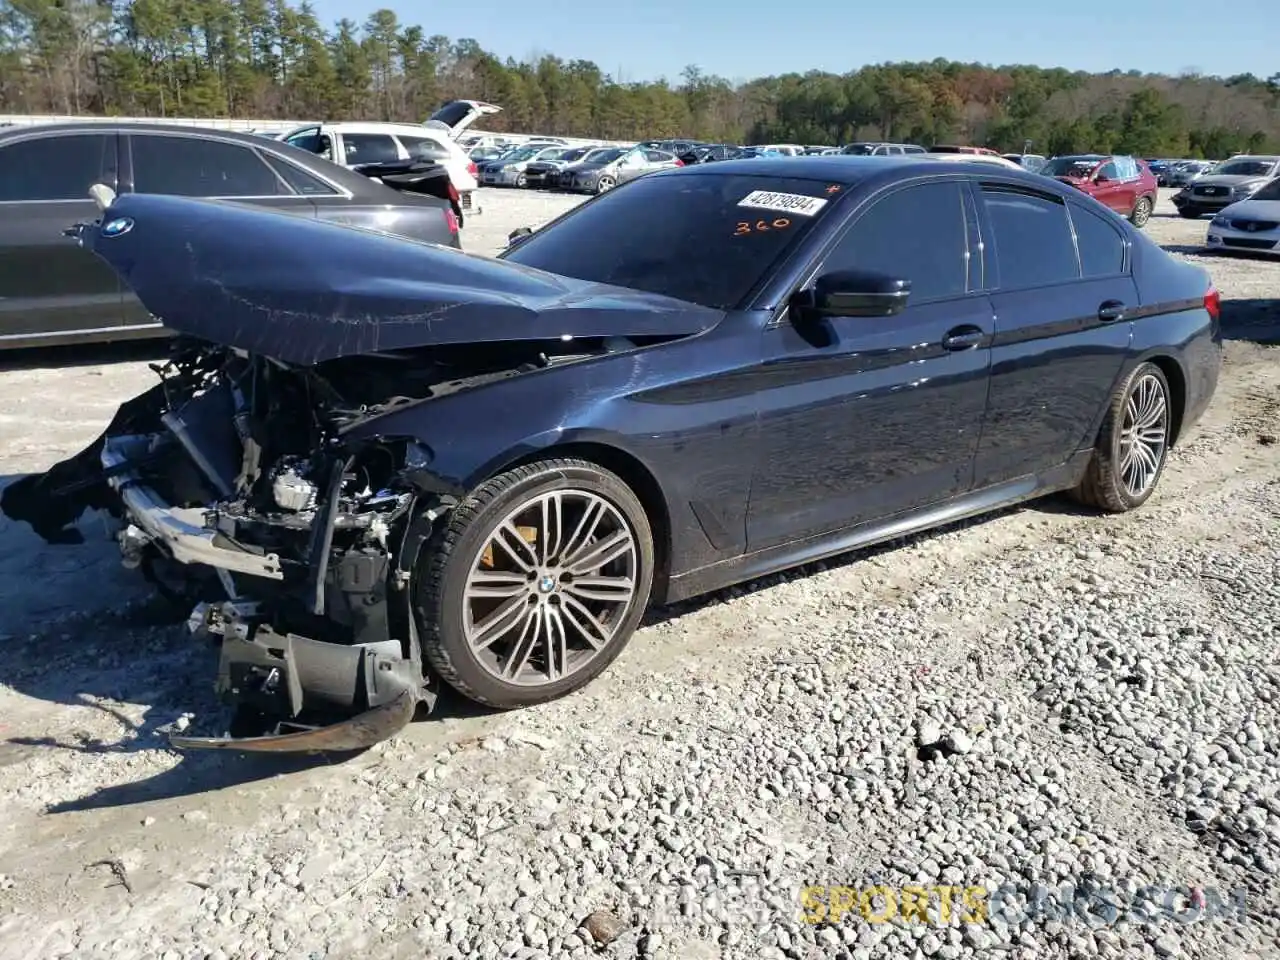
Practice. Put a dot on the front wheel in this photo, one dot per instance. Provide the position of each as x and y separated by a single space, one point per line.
536 584
605 184
522 181
1141 212
1133 444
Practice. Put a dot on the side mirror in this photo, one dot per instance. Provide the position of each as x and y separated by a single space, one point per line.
518 234
854 293
1101 178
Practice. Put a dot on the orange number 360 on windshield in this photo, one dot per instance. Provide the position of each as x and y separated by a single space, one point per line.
760 226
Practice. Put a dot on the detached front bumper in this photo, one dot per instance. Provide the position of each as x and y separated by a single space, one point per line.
307 694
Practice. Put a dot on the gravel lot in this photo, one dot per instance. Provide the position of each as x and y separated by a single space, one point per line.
1043 697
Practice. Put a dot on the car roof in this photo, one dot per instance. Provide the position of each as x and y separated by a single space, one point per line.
349 180
845 169
374 126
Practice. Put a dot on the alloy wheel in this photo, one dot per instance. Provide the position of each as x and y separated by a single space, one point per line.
550 587
1142 212
1144 435
604 183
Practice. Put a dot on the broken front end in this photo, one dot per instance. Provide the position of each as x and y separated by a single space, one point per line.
233 473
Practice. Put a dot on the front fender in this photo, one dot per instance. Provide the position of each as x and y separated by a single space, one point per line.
696 442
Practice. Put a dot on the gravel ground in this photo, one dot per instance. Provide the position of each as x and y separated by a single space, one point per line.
1040 700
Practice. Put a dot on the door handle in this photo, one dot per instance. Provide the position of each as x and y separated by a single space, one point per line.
963 338
1110 311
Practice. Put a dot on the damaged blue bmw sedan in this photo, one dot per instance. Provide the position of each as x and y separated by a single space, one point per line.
382 465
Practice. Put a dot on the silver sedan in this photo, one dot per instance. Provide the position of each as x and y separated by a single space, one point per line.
608 168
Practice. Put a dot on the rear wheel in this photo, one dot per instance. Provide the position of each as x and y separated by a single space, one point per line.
1141 212
536 584
1133 444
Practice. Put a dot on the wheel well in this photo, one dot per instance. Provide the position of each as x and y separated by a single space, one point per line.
1178 388
642 483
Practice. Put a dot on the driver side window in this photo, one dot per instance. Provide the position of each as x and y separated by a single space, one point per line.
917 234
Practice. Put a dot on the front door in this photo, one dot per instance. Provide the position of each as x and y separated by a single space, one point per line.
49 284
862 418
1060 283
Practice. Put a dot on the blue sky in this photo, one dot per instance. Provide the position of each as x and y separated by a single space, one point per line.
740 39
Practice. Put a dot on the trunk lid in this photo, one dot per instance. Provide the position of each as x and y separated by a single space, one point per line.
457 115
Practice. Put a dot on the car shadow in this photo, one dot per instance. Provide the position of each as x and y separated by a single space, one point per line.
1256 320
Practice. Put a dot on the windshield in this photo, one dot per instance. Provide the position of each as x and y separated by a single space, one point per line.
571 155
687 237
1270 191
1070 166
522 154
1246 168
859 149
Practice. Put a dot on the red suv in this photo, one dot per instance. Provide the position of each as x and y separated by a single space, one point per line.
1125 184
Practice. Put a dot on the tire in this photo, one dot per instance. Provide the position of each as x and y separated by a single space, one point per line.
451 616
605 184
1107 484
1141 212
1191 213
522 181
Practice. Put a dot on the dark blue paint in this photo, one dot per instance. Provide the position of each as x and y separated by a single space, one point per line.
772 442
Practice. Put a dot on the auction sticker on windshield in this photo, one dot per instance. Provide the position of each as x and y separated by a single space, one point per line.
784 202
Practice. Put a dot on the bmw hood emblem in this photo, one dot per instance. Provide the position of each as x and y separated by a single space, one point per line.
118 227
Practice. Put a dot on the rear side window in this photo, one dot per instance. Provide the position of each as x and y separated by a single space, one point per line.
424 148
301 181
370 148
915 234
1100 244
55 168
196 167
707 240
1033 238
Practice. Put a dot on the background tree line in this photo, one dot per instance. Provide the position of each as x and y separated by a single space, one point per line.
268 59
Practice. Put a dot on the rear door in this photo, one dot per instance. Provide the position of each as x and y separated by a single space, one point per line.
1059 279
184 165
49 285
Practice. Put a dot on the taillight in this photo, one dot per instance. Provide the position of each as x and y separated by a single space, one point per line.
679 162
451 218
473 169
454 195
1213 302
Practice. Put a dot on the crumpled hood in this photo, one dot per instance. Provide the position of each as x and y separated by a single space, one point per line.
305 291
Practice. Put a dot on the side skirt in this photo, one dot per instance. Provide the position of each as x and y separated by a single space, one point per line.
751 566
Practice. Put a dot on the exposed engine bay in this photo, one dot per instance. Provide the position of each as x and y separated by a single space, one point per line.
297 545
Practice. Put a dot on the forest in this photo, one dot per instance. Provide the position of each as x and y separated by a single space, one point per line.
271 59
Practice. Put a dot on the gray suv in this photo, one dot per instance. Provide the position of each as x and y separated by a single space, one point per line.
1230 182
